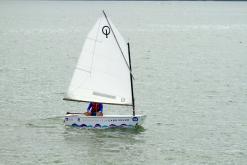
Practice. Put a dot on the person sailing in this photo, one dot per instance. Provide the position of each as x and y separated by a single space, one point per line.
94 109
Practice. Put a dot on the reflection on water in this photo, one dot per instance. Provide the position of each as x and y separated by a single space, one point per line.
112 144
105 133
103 137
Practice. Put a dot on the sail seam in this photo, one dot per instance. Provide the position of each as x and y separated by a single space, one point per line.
83 69
94 39
94 49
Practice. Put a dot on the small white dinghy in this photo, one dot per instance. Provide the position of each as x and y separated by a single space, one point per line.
103 74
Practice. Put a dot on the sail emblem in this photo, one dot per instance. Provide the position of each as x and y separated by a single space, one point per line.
106 31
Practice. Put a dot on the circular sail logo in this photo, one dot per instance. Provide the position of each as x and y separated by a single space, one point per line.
135 118
106 31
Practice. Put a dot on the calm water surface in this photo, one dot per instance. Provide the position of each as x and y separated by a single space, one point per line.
189 62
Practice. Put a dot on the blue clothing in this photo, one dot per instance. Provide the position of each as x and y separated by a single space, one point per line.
90 107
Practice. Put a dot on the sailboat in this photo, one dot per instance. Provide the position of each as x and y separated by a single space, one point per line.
103 75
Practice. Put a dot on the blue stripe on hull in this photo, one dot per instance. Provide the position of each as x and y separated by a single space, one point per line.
104 126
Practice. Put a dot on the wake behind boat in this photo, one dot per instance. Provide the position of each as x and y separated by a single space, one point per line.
103 75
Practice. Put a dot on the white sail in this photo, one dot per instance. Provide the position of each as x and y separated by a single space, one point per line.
102 74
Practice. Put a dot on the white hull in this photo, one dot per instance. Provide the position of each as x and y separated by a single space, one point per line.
106 121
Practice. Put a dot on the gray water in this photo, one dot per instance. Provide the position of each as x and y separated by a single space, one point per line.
190 67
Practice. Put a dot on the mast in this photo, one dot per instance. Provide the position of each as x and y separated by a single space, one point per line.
131 81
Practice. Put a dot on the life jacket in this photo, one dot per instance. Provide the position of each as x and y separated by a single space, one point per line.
95 107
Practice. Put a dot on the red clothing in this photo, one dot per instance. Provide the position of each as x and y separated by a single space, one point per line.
95 107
